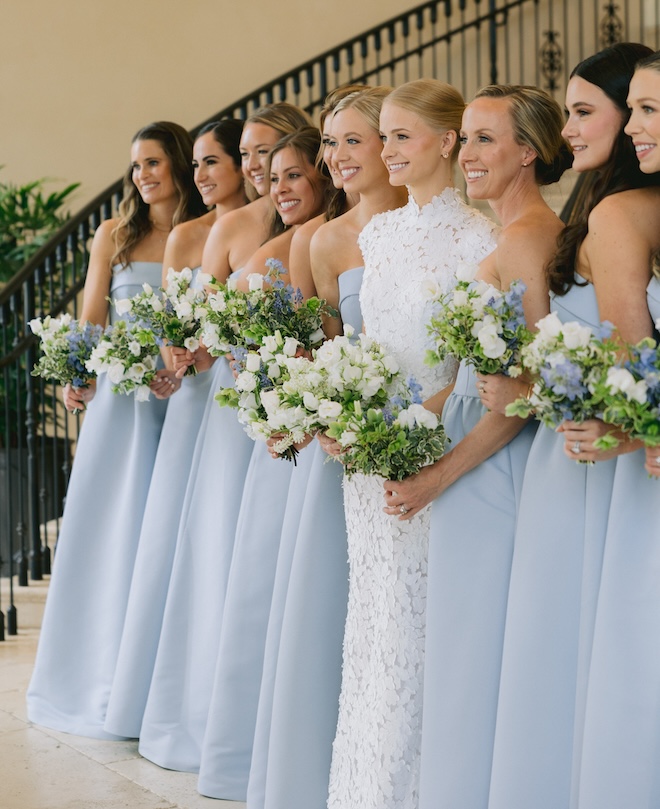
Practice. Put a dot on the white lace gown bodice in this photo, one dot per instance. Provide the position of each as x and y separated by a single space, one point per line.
411 255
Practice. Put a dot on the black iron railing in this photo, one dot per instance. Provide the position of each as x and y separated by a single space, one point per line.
468 43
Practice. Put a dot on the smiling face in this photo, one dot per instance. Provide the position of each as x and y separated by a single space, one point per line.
413 151
216 175
151 171
256 142
357 152
490 158
593 125
644 124
329 148
294 187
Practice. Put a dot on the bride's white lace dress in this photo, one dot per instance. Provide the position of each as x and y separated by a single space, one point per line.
375 762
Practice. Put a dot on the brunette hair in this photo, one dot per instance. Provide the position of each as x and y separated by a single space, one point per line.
227 133
305 142
134 222
537 122
611 70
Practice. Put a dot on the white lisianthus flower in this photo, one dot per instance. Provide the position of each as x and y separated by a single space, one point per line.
460 298
621 380
217 302
329 410
136 372
183 309
270 343
466 271
492 344
270 400
148 288
317 336
274 370
421 416
252 362
310 401
431 288
191 343
349 331
115 372
142 393
135 348
390 365
186 274
290 347
170 276
123 306
232 284
203 279
575 335
36 326
156 304
255 281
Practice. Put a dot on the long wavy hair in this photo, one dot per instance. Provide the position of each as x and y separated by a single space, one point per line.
306 143
134 222
610 70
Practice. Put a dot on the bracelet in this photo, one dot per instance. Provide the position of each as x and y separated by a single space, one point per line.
530 388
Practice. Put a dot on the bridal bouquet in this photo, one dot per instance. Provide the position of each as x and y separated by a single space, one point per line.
232 318
173 313
66 344
632 393
280 394
569 363
481 324
394 441
127 353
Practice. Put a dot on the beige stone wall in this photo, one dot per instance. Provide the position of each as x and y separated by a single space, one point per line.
78 77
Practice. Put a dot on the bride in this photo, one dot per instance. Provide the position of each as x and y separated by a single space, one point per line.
407 251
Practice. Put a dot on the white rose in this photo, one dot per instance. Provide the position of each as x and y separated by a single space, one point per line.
274 370
271 401
183 309
329 410
575 335
255 281
550 326
245 381
252 362
460 298
493 345
347 438
620 379
270 343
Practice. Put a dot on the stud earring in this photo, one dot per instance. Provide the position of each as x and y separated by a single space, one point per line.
445 155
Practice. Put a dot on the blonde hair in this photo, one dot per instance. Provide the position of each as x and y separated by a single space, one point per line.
437 103
334 98
367 102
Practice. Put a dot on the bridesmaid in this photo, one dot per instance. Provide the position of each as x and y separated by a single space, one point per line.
511 144
621 741
299 192
561 521
308 677
301 278
105 501
178 702
219 179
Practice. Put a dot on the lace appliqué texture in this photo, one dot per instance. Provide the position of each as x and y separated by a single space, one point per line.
376 753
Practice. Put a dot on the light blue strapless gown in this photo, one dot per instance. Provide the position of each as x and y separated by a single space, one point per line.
555 577
472 531
177 706
153 564
621 745
299 698
88 592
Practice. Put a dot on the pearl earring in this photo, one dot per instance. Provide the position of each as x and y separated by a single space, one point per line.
445 155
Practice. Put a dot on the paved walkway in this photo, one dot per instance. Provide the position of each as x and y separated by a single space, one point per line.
44 769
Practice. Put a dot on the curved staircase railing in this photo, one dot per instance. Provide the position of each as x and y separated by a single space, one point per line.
468 43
